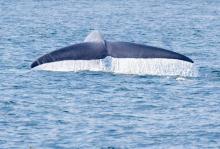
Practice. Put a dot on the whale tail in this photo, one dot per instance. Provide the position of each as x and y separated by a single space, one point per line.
97 54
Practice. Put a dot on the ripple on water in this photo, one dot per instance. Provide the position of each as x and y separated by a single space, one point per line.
41 109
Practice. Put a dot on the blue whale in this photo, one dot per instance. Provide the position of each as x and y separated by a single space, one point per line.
95 47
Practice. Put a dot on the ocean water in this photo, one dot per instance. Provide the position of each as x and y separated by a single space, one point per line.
41 109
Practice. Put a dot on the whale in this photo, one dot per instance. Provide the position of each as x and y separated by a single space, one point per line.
120 56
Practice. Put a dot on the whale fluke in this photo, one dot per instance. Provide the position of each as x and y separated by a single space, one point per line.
120 56
81 51
133 50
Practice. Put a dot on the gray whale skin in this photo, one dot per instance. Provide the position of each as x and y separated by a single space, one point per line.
99 49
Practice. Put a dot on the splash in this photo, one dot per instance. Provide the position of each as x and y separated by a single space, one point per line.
154 66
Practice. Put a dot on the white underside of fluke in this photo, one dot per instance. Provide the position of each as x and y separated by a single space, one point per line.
151 66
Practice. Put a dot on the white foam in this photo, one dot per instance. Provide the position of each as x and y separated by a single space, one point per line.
154 66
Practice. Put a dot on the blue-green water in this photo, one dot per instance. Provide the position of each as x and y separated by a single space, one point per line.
40 109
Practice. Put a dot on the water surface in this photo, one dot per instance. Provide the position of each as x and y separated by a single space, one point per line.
42 109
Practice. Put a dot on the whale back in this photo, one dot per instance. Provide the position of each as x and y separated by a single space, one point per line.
94 36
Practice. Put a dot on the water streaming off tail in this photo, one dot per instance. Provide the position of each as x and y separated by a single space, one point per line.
155 66
72 65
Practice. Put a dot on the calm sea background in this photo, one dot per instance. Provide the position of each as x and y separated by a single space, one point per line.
40 109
